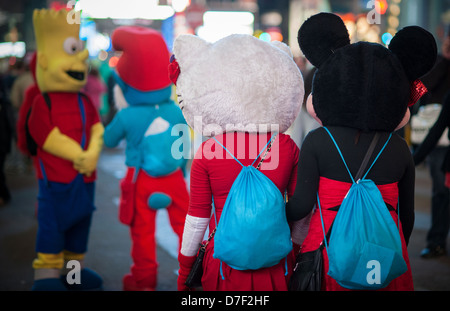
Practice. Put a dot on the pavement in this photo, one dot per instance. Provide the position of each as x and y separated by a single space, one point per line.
110 244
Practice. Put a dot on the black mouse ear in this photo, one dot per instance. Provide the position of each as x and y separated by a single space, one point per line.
320 36
416 49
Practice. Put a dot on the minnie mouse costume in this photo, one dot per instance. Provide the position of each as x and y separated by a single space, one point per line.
359 89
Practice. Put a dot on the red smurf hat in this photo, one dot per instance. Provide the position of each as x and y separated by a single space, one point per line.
144 62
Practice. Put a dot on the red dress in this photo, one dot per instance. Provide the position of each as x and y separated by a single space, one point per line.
331 194
212 175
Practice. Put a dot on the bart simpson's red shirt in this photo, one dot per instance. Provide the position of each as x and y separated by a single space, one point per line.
64 114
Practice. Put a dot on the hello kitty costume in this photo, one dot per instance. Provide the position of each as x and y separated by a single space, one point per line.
240 90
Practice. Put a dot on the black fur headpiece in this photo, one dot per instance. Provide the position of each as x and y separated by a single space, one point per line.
363 85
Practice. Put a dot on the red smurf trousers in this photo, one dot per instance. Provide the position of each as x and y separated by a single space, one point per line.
151 194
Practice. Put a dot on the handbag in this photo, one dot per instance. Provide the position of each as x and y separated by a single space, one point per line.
308 269
194 278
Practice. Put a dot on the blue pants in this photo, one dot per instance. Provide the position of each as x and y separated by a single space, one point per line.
64 216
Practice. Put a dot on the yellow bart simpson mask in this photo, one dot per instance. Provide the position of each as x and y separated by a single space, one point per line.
61 56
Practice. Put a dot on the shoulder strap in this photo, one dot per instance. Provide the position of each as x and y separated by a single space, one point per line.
340 153
382 149
326 235
358 176
85 97
367 156
268 146
47 100
83 120
228 151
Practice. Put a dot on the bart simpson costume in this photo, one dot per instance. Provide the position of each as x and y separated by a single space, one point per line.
67 129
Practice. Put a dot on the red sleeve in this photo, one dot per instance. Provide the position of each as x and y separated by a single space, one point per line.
200 193
30 94
293 177
40 123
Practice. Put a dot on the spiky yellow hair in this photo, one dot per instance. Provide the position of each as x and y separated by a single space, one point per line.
50 25
60 52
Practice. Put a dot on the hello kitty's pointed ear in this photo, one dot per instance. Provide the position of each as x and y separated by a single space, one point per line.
283 46
321 35
187 48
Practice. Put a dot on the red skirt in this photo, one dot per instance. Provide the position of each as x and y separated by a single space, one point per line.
447 179
273 278
331 194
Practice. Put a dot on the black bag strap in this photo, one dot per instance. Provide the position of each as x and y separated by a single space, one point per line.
358 176
211 235
367 156
267 151
327 238
47 100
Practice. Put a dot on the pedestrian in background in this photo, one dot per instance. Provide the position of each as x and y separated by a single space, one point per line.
95 87
304 123
21 83
6 136
437 82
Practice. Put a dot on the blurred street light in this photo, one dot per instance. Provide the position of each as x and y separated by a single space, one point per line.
120 9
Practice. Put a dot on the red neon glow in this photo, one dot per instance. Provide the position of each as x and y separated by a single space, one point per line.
381 6
113 61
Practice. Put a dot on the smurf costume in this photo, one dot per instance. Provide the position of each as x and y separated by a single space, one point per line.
146 120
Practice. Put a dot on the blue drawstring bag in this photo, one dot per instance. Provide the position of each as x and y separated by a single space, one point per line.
253 231
365 249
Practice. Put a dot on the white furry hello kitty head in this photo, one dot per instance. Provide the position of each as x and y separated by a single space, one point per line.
239 83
